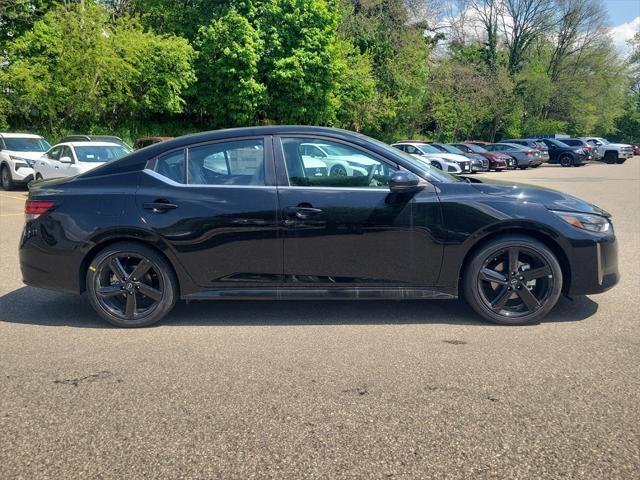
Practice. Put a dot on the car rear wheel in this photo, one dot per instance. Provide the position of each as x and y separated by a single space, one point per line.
566 160
620 161
5 178
610 157
131 285
515 280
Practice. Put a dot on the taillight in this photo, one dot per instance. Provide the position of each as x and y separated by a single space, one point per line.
530 152
34 208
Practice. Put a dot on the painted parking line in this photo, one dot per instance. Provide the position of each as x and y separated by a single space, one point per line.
11 214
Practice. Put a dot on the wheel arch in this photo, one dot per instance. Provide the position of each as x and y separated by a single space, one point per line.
105 242
525 230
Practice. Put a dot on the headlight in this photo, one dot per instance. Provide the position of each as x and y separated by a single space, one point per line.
585 221
22 162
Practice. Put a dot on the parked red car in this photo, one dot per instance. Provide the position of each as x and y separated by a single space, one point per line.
146 141
497 161
636 149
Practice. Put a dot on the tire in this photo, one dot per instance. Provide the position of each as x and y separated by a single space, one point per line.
510 307
152 295
566 160
38 177
611 157
338 171
6 180
620 161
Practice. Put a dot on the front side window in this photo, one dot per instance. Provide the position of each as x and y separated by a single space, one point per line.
54 153
343 166
239 162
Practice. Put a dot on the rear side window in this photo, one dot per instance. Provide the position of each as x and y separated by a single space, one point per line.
239 162
171 165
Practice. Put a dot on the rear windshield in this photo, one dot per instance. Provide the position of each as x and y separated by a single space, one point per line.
99 154
26 144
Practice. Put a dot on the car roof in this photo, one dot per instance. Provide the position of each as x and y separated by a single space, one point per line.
19 135
88 144
509 144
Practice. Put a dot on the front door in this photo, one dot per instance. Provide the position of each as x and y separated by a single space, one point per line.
215 205
342 225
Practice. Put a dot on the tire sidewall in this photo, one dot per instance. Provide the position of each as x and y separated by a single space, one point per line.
472 295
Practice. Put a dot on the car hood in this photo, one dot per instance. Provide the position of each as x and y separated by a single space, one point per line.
27 155
547 197
619 145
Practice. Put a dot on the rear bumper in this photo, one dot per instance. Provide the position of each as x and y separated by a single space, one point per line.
595 267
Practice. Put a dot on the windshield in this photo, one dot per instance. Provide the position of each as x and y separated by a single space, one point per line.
604 141
476 148
99 153
432 172
452 149
26 144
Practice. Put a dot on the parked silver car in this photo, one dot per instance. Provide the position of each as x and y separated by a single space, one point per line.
524 156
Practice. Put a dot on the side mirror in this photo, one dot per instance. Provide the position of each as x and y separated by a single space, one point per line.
403 182
66 160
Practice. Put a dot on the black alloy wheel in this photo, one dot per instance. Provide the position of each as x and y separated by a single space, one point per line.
514 281
566 160
131 285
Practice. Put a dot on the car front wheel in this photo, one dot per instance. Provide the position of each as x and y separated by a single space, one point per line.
515 280
5 178
131 285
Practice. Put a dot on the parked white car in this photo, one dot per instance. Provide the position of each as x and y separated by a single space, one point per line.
447 162
340 162
73 158
18 151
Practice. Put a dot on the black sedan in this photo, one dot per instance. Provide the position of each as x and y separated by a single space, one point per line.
235 214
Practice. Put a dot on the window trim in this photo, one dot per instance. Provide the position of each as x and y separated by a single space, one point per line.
269 173
282 174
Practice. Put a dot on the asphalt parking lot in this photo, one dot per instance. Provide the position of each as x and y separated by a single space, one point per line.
332 390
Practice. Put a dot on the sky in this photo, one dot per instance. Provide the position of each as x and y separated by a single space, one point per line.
625 21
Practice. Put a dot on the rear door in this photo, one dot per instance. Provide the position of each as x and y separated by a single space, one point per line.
215 205
342 231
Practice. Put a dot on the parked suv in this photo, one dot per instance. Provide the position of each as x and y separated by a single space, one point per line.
17 154
579 143
532 143
565 155
609 152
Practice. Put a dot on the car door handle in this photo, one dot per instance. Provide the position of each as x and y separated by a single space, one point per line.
56 166
159 206
302 213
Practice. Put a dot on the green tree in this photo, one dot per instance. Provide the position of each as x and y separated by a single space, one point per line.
227 90
78 70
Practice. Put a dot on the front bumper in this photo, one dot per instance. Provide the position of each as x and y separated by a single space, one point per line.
595 266
22 174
